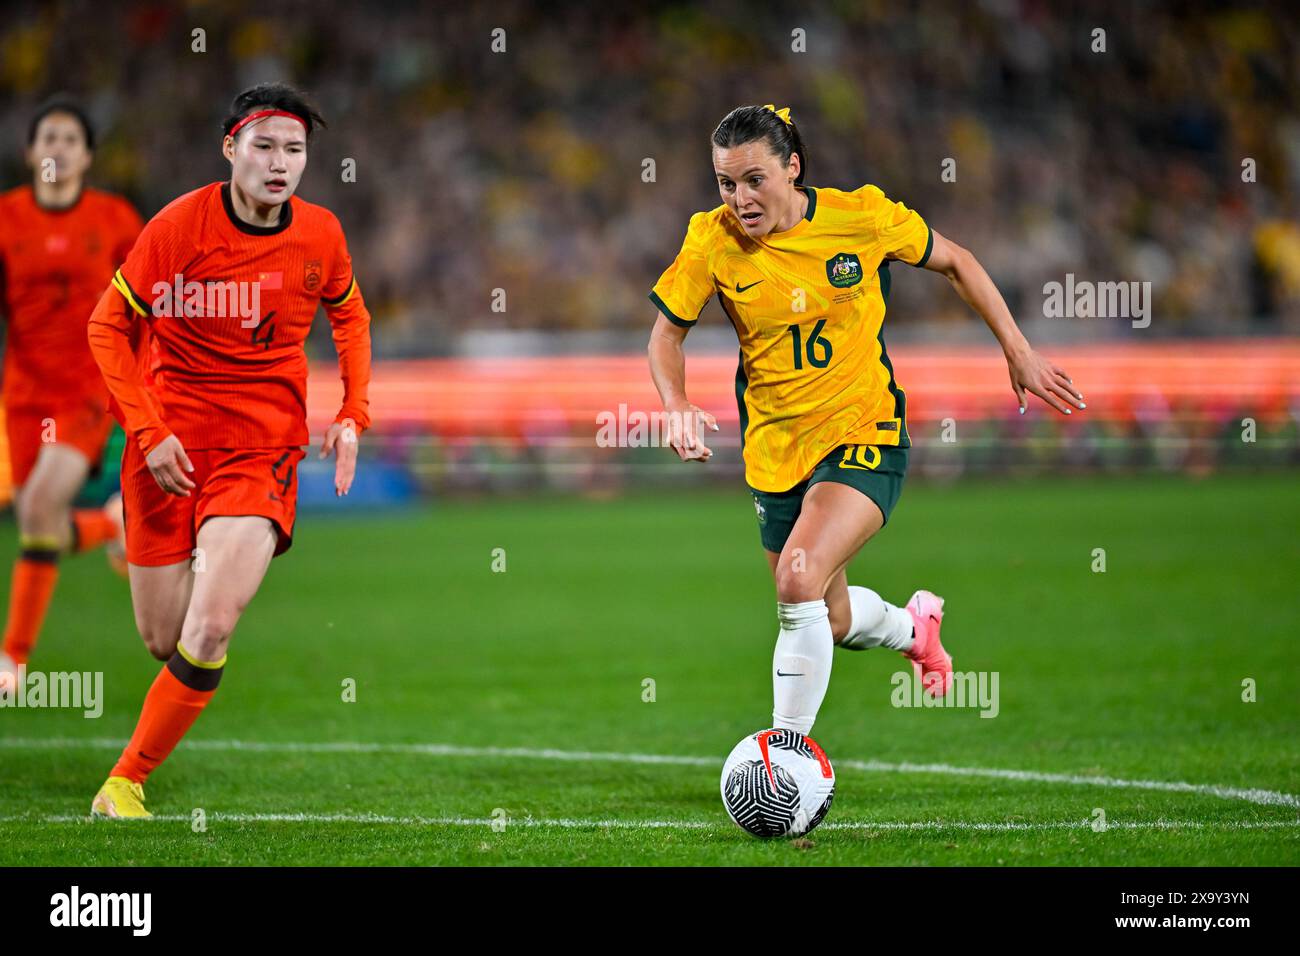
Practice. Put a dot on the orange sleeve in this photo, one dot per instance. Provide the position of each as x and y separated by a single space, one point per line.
350 322
111 330
159 252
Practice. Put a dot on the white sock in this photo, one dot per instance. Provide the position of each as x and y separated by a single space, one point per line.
801 665
876 623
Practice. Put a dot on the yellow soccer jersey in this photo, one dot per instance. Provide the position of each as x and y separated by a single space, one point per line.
808 305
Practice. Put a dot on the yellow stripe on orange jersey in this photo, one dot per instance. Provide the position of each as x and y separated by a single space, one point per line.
121 285
808 305
347 294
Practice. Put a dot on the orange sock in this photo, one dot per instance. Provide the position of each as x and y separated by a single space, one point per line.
178 695
91 528
35 573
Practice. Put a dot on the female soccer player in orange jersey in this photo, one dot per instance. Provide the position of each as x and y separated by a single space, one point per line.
59 244
228 279
803 275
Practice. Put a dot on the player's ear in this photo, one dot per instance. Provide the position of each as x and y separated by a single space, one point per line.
228 148
796 164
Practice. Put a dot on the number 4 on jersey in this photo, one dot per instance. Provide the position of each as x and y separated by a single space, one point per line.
267 328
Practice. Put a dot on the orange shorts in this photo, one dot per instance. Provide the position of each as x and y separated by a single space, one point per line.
163 529
84 426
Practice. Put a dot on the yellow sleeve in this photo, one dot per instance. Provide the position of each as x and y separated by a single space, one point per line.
684 288
901 231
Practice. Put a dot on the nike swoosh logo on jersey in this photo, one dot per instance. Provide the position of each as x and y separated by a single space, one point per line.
783 674
746 288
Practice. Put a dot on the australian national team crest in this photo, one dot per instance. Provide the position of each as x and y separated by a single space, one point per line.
844 270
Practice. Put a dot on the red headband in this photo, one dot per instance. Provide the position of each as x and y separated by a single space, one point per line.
261 114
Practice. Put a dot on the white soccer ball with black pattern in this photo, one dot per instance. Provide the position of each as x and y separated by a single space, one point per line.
777 783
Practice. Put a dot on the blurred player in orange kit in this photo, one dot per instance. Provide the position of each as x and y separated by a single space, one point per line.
228 279
59 244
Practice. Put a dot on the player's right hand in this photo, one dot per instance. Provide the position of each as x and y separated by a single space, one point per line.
168 463
1032 372
341 438
684 432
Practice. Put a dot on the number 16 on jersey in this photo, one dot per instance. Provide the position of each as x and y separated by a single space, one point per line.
817 348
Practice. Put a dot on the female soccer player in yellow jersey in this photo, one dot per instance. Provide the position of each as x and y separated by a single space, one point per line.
803 275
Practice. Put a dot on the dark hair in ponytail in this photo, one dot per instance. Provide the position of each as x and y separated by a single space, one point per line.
746 124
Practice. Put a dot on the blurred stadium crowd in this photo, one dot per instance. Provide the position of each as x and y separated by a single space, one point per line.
522 169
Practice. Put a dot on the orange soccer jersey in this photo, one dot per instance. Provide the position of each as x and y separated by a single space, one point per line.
56 263
53 265
229 306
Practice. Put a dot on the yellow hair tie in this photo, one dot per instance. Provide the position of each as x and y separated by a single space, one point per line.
783 113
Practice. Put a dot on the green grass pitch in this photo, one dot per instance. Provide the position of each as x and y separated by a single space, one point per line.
1133 675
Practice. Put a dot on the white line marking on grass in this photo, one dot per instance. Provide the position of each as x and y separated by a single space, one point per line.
1250 795
569 823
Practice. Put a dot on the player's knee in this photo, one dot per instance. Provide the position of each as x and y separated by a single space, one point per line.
160 641
797 582
209 632
41 513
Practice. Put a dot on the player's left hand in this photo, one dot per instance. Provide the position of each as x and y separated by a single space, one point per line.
341 438
1033 372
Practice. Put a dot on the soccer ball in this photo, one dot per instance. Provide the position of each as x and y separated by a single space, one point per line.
777 783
